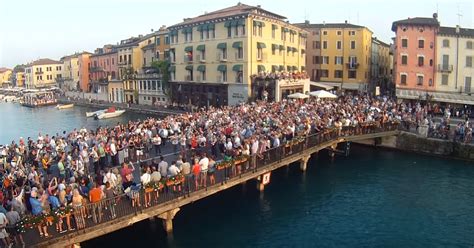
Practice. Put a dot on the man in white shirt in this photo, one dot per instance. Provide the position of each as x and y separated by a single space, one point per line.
3 232
204 163
111 178
163 167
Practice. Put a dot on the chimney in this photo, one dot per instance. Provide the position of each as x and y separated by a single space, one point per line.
345 21
259 6
458 29
306 22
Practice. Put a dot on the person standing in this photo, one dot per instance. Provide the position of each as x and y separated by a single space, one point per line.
95 196
204 164
3 233
163 167
13 219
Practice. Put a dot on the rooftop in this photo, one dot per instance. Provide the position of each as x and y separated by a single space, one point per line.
417 21
3 69
239 9
44 62
451 31
327 25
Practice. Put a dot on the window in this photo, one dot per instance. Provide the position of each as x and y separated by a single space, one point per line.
419 80
421 61
431 62
444 79
338 73
273 33
158 40
274 51
467 84
403 79
421 44
339 45
203 76
224 76
445 43
352 74
338 60
325 45
468 61
315 60
239 77
404 59
353 44
236 30
201 34
469 45
352 33
229 31
259 53
240 53
404 43
325 60
339 32
325 32
324 73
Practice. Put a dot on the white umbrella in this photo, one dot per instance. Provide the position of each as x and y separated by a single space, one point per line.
298 96
322 94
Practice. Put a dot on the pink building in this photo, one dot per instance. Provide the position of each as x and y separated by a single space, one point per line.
415 53
103 67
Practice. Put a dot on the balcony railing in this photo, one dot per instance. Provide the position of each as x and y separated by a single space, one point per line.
445 68
149 76
221 57
188 78
352 66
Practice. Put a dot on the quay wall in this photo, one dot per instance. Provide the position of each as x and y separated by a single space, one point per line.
411 142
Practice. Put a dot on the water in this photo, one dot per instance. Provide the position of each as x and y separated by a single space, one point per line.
17 121
373 198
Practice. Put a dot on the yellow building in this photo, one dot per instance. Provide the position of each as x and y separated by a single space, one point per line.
19 79
5 77
116 91
70 72
43 73
342 56
233 54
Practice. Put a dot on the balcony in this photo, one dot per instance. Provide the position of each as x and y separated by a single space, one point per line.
149 76
445 68
221 57
39 73
352 66
188 59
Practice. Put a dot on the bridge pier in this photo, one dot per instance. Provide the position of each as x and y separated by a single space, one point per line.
304 162
167 218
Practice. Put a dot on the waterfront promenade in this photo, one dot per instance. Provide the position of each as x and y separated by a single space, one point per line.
169 201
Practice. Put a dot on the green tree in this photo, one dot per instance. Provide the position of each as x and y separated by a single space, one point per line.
162 67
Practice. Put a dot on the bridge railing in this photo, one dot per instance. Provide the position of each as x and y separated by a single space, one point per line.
133 202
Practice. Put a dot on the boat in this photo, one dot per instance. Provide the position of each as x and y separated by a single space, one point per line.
65 106
110 113
96 113
10 99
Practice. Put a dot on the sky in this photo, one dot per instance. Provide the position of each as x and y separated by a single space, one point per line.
33 29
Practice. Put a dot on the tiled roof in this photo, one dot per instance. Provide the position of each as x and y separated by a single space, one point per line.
44 62
3 69
449 31
327 25
417 21
239 9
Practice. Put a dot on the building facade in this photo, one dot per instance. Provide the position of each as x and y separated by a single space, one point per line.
5 77
43 73
415 53
455 55
380 72
219 58
70 72
341 54
103 68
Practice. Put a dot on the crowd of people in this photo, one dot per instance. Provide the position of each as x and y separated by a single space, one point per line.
64 172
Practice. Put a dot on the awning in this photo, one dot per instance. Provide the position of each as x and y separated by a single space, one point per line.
260 68
174 32
172 68
288 68
188 49
282 68
293 32
295 68
237 44
282 47
189 67
284 29
455 98
274 68
237 68
303 51
258 24
274 26
201 48
261 45
211 26
201 68
321 85
201 27
289 49
187 30
222 46
227 24
222 68
241 22
274 46
294 49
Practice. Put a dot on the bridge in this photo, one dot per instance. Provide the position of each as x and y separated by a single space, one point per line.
169 202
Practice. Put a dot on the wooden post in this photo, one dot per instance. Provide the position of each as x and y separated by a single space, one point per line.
167 218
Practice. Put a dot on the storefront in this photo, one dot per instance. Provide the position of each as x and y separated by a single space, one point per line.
199 94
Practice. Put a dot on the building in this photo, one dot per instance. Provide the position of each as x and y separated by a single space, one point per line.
455 55
340 54
104 68
415 54
70 73
235 54
380 72
43 73
151 89
115 89
5 77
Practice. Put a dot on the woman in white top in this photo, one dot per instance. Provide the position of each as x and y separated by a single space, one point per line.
146 179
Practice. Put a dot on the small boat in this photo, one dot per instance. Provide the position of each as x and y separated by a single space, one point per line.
110 113
65 106
96 113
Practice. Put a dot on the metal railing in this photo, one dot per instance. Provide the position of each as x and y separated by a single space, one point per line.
132 203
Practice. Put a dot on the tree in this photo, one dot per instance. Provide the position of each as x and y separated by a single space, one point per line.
162 67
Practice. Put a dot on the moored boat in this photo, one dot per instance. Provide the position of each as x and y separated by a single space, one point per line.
95 113
110 113
65 106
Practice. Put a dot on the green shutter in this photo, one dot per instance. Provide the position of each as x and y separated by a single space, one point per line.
222 46
237 68
274 68
274 26
222 68
201 68
184 31
282 47
261 68
256 23
201 48
288 49
189 67
282 68
237 44
188 49
227 24
294 49
172 68
285 30
199 28
241 22
261 45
